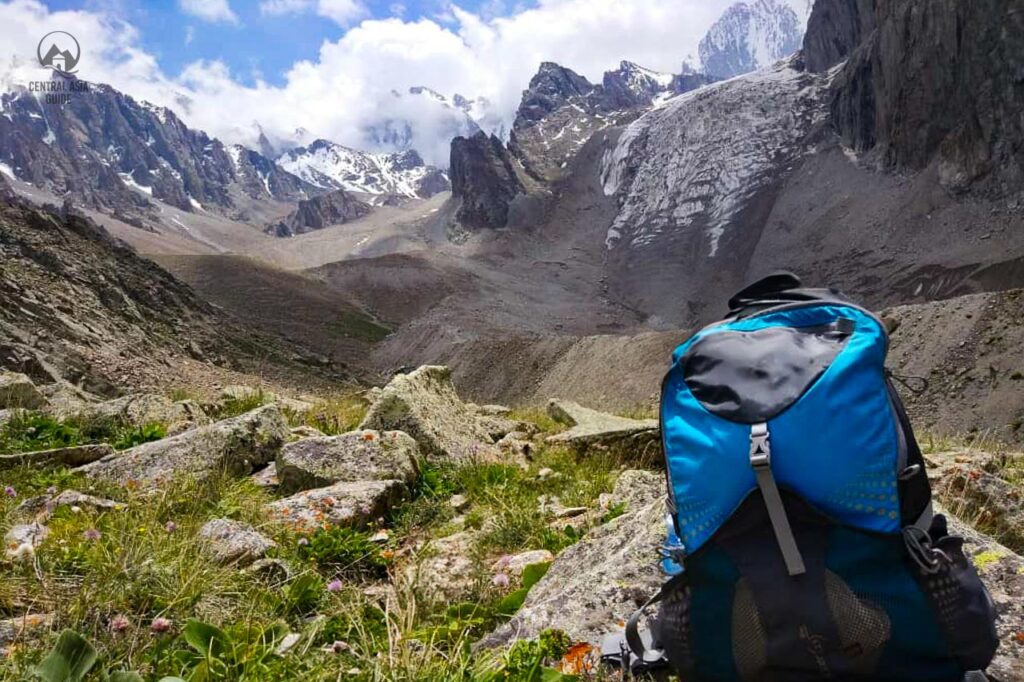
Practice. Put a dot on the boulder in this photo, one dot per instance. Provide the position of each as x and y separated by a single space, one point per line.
499 427
354 456
266 477
602 579
349 503
996 504
43 506
74 456
234 543
306 431
590 428
30 534
424 405
443 569
237 445
148 408
18 391
6 416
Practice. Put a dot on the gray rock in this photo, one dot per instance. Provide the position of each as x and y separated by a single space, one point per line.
148 408
12 629
74 456
266 477
443 569
306 431
234 543
597 582
354 456
484 181
31 534
590 428
43 506
236 445
349 503
493 410
499 427
18 391
996 504
6 416
459 503
424 405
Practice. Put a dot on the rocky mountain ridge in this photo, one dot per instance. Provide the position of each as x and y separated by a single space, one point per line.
331 208
327 165
753 35
105 150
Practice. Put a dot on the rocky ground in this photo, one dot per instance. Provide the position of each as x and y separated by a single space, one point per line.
373 536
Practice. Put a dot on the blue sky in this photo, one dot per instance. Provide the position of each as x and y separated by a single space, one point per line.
259 45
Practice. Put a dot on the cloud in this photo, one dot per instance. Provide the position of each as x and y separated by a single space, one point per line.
342 12
349 85
190 35
209 10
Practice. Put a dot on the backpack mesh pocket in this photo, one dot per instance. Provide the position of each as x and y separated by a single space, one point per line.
673 629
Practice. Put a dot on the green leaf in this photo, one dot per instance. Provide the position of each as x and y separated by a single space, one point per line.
534 572
125 676
512 602
206 639
552 675
463 610
71 659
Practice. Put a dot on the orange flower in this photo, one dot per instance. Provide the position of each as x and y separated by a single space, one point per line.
368 435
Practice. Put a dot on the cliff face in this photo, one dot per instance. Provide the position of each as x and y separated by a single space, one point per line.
483 180
930 80
324 210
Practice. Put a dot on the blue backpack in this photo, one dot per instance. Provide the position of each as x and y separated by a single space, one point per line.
802 542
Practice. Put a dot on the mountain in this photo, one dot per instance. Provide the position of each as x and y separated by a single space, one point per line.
324 210
561 110
752 35
327 165
422 119
105 150
484 181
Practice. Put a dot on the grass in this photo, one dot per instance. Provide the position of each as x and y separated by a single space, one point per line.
28 431
333 416
111 575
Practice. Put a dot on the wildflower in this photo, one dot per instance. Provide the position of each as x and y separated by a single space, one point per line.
92 534
365 510
503 561
303 542
500 580
75 509
334 586
369 435
160 625
170 526
10 492
119 624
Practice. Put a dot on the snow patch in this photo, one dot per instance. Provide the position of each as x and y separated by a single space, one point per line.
129 179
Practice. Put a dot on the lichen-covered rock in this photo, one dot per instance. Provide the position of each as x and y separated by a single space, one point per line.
499 427
74 456
235 445
515 565
602 579
234 543
13 629
589 428
424 405
443 568
266 477
43 506
349 503
996 503
354 456
30 534
148 408
306 431
18 391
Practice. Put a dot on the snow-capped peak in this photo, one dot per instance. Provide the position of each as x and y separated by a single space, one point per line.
333 166
753 35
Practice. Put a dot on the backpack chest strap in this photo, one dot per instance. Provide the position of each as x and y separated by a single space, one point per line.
761 463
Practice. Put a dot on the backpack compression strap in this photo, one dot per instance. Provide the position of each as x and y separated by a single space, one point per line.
761 463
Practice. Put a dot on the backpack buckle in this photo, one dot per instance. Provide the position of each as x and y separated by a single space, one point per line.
760 447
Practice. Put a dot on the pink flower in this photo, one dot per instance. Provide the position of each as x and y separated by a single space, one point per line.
170 526
119 624
160 625
303 542
334 586
502 562
10 492
92 534
500 580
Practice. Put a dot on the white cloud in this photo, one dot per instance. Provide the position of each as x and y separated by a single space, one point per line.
209 10
276 7
348 86
342 12
190 35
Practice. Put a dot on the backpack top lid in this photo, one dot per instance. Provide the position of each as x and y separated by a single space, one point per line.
776 289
